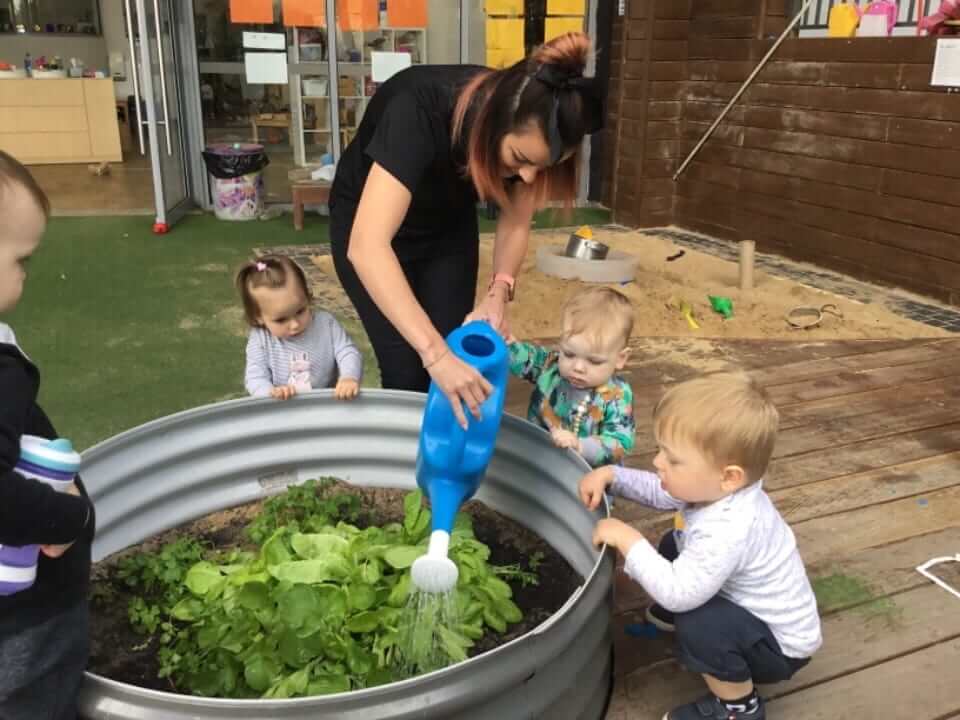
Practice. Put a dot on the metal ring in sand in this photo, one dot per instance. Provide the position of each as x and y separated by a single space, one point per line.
804 317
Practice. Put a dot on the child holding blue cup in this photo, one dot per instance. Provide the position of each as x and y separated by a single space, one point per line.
46 519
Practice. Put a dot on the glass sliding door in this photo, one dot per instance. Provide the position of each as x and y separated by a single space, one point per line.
151 25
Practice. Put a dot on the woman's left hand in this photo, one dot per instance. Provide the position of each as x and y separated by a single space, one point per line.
493 309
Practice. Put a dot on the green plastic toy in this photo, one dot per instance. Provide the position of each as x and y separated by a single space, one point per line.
722 305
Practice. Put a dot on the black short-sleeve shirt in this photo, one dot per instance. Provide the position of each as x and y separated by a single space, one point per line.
407 130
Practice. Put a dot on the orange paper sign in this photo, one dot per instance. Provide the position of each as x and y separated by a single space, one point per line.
407 13
358 14
251 11
304 13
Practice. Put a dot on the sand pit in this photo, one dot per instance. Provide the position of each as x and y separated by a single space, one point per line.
659 285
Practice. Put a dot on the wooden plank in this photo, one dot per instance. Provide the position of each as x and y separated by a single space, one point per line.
822 122
929 161
825 171
671 29
918 186
834 434
850 406
836 495
724 27
859 415
853 640
897 103
869 359
860 457
920 685
831 248
927 133
880 571
722 8
845 533
860 75
905 50
858 639
852 381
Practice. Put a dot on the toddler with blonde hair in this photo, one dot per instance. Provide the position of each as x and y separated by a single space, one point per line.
578 395
729 580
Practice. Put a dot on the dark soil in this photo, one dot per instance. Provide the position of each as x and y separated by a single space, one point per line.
120 653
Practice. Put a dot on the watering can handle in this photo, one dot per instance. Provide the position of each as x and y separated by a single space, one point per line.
458 341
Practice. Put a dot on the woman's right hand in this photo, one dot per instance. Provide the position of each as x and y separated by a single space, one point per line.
461 383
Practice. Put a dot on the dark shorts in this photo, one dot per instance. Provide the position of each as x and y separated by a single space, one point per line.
444 282
41 666
723 640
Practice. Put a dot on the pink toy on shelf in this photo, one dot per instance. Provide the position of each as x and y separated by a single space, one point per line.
936 24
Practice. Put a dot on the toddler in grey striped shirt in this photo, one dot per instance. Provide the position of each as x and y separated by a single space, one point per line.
728 580
291 347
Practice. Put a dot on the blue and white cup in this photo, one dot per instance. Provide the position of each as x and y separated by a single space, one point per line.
55 463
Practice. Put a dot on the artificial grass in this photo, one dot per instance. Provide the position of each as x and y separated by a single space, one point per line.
127 326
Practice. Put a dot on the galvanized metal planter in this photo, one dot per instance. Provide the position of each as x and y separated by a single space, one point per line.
181 467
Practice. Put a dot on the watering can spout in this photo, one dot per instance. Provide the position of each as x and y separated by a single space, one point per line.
451 461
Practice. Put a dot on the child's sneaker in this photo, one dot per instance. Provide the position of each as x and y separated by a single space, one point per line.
710 707
660 618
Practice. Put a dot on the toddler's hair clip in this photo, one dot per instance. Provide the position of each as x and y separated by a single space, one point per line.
261 266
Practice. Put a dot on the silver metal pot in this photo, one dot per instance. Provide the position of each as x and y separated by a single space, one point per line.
584 249
178 468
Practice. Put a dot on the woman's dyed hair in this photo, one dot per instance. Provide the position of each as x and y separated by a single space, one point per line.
548 89
269 271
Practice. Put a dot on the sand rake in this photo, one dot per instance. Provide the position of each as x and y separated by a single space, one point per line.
924 570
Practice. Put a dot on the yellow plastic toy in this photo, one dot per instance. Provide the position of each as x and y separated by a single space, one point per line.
844 19
687 311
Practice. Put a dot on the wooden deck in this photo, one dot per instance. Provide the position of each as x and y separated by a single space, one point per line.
867 472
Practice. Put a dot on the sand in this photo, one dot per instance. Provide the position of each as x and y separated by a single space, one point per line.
659 286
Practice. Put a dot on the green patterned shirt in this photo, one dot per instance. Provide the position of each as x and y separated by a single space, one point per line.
607 427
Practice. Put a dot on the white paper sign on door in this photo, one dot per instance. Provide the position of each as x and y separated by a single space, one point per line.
946 63
265 68
265 41
388 64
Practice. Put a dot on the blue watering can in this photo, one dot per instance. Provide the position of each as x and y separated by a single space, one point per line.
451 461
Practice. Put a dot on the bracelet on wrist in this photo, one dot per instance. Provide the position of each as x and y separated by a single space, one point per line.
438 358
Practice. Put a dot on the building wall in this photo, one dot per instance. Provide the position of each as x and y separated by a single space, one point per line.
840 153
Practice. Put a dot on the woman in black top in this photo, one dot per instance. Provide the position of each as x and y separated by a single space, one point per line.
404 236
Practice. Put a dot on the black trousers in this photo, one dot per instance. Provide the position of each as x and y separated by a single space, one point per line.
41 666
725 641
444 283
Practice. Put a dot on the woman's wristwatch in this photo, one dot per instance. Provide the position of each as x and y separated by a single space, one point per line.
507 280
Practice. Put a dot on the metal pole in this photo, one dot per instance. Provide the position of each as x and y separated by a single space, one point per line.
333 87
746 84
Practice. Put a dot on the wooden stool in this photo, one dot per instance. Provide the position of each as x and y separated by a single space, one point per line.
307 193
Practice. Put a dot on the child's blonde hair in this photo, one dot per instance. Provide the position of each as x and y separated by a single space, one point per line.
728 417
269 271
603 314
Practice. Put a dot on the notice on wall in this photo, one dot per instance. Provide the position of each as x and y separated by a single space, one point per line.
565 7
946 63
265 41
265 68
407 13
505 33
251 11
384 65
504 7
556 26
358 15
502 58
304 13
